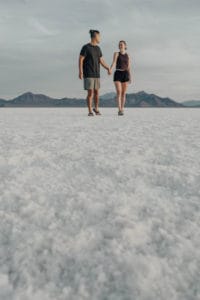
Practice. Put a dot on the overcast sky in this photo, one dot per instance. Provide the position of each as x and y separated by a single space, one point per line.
40 41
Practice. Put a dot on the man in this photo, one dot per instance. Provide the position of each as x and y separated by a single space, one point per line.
89 70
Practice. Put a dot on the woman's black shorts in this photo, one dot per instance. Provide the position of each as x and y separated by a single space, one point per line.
122 76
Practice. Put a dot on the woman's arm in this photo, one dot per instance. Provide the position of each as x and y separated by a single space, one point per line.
115 56
129 69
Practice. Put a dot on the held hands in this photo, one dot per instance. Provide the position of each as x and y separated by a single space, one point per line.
81 73
109 71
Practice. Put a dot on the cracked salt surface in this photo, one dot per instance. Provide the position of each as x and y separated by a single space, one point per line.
99 208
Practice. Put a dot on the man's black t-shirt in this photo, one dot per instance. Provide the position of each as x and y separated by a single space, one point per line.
91 63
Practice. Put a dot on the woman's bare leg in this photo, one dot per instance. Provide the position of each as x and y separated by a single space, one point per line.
118 87
123 97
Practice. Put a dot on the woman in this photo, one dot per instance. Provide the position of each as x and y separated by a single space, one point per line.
122 75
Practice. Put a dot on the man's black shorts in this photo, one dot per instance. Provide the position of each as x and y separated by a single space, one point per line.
122 76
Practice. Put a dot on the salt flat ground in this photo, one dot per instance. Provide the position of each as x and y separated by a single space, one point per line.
100 208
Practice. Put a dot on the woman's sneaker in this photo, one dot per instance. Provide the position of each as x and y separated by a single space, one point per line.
90 114
120 113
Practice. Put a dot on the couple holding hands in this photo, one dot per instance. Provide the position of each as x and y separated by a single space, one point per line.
90 60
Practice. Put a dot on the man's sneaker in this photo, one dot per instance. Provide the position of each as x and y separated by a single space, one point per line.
97 112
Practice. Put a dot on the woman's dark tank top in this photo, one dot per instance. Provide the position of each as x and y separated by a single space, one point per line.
122 61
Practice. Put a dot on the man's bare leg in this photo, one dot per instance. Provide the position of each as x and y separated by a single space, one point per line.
96 99
89 100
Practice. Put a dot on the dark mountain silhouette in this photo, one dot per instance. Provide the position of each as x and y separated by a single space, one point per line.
143 99
192 103
39 100
2 102
108 96
140 99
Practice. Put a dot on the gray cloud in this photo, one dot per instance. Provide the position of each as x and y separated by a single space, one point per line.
40 43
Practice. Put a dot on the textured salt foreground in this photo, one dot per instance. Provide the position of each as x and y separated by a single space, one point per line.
99 208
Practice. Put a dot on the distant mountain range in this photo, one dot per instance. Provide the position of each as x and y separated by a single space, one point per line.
140 99
192 103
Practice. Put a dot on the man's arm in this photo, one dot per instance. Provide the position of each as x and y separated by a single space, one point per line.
81 59
104 64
